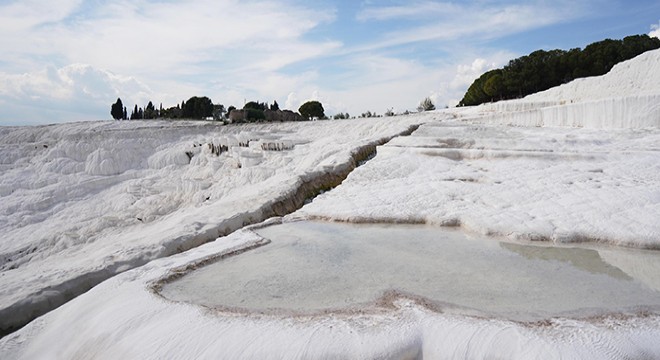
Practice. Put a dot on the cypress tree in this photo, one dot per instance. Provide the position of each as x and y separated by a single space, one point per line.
116 109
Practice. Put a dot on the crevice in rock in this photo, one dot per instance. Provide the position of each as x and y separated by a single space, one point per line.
310 185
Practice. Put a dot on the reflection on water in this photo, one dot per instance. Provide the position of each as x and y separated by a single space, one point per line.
584 259
318 266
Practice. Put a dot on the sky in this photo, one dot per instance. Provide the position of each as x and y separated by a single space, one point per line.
69 60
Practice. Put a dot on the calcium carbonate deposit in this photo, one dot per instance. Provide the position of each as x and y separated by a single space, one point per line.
550 183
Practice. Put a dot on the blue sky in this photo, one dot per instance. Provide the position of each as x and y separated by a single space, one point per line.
69 60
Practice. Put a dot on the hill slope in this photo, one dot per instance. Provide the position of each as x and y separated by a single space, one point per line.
542 70
626 97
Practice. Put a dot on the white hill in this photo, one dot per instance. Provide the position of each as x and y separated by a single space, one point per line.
82 202
626 97
86 202
639 76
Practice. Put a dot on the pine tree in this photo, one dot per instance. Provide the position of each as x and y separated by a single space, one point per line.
150 111
134 114
312 109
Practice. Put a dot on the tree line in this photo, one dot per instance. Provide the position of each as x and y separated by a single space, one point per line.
200 108
194 108
542 70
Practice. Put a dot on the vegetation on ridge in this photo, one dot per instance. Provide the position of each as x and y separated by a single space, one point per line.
201 108
542 70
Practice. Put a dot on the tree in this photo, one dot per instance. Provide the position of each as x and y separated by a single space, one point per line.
197 108
134 114
255 105
252 115
125 117
312 109
173 112
254 111
275 106
150 111
426 105
541 70
494 86
218 111
117 110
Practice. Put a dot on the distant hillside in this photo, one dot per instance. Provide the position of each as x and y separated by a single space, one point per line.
542 70
637 77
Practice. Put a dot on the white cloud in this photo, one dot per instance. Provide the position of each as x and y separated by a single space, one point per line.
453 91
235 51
381 83
228 50
412 10
27 14
78 91
655 30
469 21
153 37
466 74
292 101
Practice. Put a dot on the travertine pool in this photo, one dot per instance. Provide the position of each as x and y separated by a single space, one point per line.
318 267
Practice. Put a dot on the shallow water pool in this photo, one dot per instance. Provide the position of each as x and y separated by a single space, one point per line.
314 267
